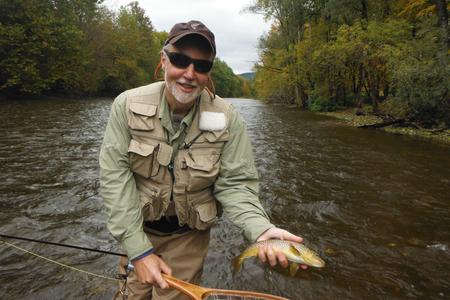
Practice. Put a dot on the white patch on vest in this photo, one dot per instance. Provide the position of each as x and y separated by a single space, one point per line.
212 121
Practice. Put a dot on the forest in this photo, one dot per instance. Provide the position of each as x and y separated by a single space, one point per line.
82 48
382 57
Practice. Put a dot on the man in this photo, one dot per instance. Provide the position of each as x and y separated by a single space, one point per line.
173 155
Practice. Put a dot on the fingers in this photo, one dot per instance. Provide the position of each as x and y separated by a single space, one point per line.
165 268
278 233
262 255
157 274
160 281
268 254
148 270
286 235
271 256
282 259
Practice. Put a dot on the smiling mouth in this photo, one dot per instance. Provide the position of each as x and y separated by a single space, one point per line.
186 87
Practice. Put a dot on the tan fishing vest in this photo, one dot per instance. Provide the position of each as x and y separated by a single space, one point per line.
195 167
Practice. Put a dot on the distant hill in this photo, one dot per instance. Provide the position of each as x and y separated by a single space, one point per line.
248 75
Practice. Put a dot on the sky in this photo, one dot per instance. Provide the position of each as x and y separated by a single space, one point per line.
236 32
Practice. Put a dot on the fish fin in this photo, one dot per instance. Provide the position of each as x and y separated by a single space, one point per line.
293 268
294 250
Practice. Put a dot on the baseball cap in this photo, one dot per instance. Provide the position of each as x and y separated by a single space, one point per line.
181 30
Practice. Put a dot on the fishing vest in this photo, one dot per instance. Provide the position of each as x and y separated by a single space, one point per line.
188 179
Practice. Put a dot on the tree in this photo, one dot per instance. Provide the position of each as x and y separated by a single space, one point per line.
325 54
227 84
39 46
442 12
75 47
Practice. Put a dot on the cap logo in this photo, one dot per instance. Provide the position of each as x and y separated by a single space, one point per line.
194 26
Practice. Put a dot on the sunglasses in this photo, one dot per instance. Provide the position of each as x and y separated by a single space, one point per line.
183 61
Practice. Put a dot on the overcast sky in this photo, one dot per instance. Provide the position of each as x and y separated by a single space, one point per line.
236 32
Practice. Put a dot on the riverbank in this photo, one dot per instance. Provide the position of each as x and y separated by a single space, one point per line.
55 97
349 117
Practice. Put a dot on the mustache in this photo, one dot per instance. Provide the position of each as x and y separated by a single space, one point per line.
188 82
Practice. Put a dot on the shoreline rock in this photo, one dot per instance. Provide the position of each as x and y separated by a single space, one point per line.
350 118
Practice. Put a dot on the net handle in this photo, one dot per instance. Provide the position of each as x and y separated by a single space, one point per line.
196 292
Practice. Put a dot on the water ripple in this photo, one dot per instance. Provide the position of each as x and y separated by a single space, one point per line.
374 205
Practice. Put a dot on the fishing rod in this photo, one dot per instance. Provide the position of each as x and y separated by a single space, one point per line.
192 291
61 245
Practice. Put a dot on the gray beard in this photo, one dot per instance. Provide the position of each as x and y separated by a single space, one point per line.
179 95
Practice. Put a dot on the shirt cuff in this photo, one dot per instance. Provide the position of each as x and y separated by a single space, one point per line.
146 253
137 245
256 229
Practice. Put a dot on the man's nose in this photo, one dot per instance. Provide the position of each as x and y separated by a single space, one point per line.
190 72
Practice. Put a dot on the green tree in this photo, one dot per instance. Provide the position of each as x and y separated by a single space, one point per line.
75 47
40 48
133 55
227 84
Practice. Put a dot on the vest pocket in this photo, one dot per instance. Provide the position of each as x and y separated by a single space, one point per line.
202 215
150 202
142 159
141 117
217 136
203 171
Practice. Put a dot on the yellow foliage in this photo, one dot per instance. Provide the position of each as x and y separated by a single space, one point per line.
418 8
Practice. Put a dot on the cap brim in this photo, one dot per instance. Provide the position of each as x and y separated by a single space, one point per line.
179 37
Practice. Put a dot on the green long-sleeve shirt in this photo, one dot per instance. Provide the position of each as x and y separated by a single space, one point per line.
236 187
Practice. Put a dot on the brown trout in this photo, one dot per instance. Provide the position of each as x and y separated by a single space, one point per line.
296 253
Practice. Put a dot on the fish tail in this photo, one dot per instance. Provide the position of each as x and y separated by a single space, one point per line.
237 264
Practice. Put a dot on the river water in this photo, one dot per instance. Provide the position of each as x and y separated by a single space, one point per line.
376 206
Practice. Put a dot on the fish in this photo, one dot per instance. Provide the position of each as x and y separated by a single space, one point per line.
296 254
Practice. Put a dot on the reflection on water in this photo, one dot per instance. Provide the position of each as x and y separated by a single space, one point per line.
374 205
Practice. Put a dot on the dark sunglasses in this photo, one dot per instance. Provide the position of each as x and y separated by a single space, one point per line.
183 61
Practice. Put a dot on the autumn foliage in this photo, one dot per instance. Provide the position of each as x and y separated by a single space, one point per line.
322 55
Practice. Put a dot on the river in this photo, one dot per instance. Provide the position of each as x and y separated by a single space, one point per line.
376 206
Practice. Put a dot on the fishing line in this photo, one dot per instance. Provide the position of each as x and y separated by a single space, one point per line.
59 263
193 291
61 245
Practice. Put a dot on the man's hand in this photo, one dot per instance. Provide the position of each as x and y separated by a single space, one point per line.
267 253
149 268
